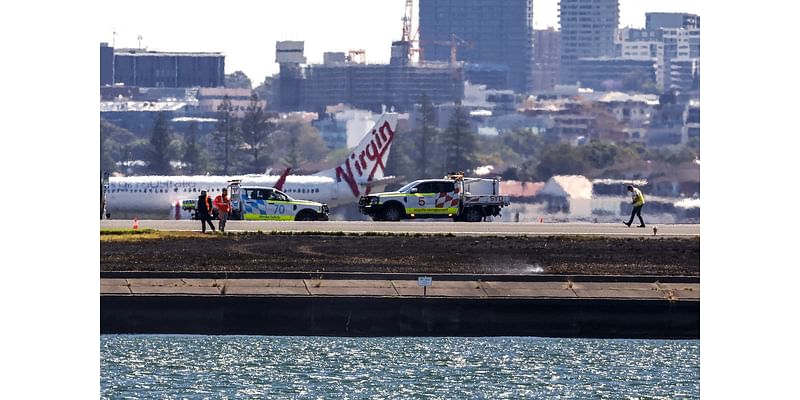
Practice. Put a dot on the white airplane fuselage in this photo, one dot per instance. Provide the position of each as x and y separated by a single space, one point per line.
157 196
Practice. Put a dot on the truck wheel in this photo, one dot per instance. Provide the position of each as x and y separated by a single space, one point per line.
392 213
305 216
473 214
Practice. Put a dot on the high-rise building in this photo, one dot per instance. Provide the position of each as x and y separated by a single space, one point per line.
143 68
587 31
664 46
657 20
289 55
486 31
106 65
369 86
546 59
340 79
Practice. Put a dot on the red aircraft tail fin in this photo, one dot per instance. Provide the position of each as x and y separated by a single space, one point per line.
282 179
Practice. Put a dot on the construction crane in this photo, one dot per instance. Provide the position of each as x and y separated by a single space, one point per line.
454 43
409 34
407 17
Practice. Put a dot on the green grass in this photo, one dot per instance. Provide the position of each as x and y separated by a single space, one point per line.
123 235
131 235
123 231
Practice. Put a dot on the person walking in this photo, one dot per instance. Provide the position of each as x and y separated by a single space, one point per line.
223 204
638 202
204 210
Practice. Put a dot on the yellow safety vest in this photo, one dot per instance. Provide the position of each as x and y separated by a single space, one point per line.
638 197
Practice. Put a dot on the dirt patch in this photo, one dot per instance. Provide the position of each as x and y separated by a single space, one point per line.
408 254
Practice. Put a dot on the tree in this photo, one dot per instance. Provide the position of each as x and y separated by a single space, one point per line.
107 163
561 159
428 134
193 155
264 90
255 130
524 142
458 143
600 153
237 80
159 146
400 163
295 143
114 144
227 134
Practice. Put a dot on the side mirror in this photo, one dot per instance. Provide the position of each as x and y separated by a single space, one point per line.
414 190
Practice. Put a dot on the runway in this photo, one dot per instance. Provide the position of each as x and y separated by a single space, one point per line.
413 227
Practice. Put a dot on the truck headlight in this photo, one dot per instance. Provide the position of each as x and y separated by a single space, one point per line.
374 200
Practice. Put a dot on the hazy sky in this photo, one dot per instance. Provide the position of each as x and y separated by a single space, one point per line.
246 32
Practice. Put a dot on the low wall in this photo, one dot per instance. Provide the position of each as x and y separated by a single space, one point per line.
391 316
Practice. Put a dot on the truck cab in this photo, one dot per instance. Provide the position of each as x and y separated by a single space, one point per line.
456 197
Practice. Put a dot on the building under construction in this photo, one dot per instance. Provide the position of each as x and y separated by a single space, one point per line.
156 69
349 80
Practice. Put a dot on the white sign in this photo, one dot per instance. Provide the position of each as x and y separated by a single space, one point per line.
424 281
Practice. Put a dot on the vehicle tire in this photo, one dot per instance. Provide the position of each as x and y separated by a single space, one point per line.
392 213
473 214
305 216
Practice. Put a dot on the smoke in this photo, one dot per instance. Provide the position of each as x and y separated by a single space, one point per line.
534 269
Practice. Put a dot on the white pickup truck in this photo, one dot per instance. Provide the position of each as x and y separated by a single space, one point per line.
266 203
454 196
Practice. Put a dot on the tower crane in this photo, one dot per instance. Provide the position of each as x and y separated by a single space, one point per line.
454 43
409 34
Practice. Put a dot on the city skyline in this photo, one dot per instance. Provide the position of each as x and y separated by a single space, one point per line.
247 37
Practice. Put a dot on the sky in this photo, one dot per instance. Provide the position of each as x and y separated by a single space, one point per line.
749 147
246 32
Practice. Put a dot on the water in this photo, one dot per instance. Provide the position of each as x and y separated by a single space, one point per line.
227 367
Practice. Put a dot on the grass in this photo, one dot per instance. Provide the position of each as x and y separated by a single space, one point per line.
131 235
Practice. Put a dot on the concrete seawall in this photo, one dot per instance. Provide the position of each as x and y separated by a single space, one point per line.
613 307
370 316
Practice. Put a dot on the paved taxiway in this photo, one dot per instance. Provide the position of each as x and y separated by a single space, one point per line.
411 227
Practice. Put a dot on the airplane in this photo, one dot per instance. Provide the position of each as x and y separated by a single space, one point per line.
361 172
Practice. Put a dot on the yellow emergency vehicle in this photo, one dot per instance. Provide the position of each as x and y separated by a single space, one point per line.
454 196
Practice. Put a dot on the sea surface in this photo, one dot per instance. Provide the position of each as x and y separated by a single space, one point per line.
247 367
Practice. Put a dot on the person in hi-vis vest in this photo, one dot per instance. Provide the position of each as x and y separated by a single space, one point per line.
638 202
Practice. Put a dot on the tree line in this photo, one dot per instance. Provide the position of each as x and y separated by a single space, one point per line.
525 155
257 140
250 143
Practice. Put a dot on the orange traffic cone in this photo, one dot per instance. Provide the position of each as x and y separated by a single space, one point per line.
135 223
